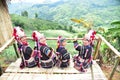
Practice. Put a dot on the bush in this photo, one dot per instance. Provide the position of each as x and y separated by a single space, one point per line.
80 35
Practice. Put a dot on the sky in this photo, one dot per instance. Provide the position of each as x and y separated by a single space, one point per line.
35 1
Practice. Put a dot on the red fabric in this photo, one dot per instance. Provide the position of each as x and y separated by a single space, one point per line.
34 36
58 41
25 43
16 31
93 35
42 44
15 34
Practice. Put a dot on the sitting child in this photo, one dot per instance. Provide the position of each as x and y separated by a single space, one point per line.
24 48
84 59
63 55
47 56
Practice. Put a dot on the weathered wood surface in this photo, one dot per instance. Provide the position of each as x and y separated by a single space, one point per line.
6 28
109 45
6 44
13 72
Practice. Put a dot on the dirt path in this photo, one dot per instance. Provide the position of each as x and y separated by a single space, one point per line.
107 69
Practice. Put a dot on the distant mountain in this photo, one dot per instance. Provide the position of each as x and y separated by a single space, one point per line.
100 12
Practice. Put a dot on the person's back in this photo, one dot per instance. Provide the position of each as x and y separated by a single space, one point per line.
48 58
63 55
26 49
23 47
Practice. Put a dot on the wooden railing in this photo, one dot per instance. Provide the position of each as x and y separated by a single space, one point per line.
6 44
29 38
99 40
117 53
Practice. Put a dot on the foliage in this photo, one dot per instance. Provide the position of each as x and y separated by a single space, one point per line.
36 15
80 35
99 12
7 56
112 36
70 28
56 33
24 13
33 23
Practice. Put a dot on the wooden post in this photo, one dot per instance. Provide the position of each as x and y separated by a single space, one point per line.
110 46
1 70
16 51
114 68
97 48
29 38
92 74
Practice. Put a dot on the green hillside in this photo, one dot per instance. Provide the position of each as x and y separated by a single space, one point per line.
56 33
100 12
33 23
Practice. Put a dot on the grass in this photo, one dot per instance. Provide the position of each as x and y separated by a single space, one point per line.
52 33
69 47
56 33
7 56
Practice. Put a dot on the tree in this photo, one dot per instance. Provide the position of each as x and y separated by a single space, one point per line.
65 27
112 36
36 15
115 34
70 28
24 13
19 23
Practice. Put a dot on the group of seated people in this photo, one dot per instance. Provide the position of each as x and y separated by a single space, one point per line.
46 57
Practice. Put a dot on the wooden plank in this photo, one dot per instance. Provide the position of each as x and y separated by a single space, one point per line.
110 46
6 44
16 76
4 76
25 76
53 73
97 48
11 76
14 67
16 50
10 68
30 38
40 77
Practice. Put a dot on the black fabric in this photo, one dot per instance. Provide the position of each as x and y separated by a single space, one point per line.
46 61
49 64
83 50
27 51
64 56
64 64
19 45
43 52
63 51
81 61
